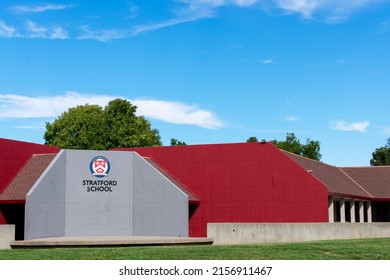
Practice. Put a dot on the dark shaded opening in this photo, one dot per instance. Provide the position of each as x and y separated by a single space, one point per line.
365 207
14 215
381 211
347 211
192 209
337 213
357 212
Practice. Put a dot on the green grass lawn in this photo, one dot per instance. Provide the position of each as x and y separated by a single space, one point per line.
362 249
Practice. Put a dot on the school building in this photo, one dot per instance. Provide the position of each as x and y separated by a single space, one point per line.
179 190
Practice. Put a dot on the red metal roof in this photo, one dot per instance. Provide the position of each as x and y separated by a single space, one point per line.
191 197
244 182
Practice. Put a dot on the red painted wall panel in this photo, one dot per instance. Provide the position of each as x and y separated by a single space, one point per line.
2 219
14 154
247 182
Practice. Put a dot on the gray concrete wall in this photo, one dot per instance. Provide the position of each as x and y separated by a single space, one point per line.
138 200
157 203
95 212
243 233
45 202
7 234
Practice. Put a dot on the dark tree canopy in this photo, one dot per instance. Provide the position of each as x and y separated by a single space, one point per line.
252 139
310 150
95 128
175 142
381 156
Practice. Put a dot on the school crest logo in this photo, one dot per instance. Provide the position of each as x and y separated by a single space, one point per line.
99 167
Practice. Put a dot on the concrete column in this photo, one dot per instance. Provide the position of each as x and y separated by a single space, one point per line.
7 235
352 211
330 210
342 211
361 212
369 212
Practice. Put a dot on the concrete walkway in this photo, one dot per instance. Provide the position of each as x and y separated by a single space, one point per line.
108 241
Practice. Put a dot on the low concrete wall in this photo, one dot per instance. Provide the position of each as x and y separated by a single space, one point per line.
241 233
7 234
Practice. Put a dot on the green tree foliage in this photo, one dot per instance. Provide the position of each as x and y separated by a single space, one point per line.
95 128
81 127
310 150
252 139
125 129
381 156
175 142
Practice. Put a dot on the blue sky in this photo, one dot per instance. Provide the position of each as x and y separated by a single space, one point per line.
205 71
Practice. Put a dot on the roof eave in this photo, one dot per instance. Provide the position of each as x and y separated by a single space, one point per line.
19 201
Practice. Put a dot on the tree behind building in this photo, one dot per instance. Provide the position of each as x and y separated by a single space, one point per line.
381 156
90 127
310 150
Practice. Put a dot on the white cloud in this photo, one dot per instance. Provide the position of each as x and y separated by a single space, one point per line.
103 35
212 3
304 7
59 33
14 106
330 10
22 9
7 30
19 106
177 113
193 11
267 61
245 3
33 30
357 126
183 11
31 127
218 3
292 119
132 10
155 26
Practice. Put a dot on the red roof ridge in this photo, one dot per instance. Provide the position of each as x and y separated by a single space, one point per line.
346 174
48 154
173 179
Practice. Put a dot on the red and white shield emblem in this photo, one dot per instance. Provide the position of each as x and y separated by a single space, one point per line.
99 167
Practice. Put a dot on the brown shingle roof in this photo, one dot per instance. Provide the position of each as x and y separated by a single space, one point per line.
26 178
336 180
376 180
